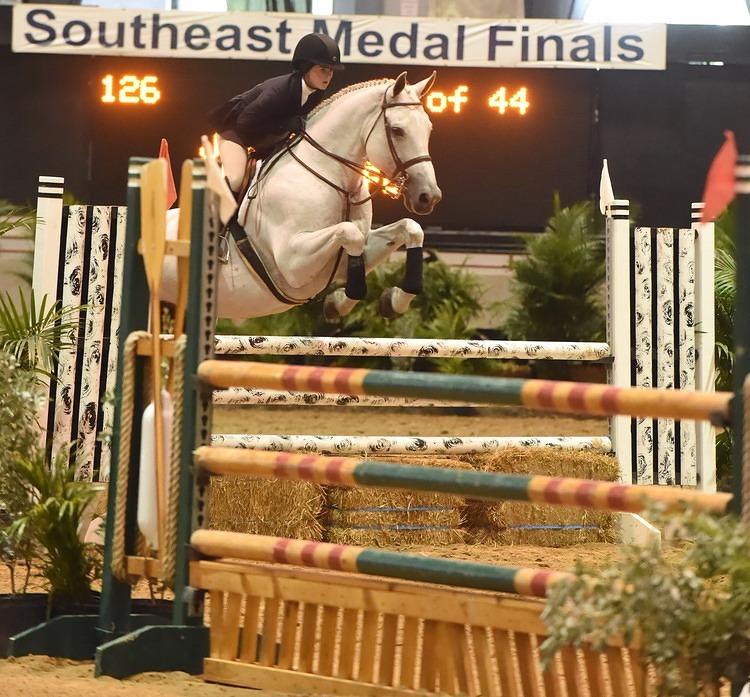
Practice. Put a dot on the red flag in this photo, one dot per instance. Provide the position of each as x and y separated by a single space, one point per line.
719 191
171 189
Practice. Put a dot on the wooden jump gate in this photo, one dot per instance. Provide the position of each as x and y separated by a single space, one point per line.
307 630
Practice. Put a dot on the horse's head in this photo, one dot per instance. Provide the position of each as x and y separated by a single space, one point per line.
399 143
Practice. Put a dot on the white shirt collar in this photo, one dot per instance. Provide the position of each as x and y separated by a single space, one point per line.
306 92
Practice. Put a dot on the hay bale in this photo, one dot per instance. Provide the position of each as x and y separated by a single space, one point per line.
266 507
395 517
512 522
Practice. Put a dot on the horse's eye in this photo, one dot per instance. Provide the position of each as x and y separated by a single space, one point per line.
397 131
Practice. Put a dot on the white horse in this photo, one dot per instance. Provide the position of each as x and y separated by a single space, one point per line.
311 204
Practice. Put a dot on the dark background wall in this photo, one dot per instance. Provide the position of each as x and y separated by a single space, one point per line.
658 129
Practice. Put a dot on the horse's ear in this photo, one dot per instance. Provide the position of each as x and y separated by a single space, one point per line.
399 85
422 88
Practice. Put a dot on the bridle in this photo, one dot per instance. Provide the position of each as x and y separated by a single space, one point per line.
395 182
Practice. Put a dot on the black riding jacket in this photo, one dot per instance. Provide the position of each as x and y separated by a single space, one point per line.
263 116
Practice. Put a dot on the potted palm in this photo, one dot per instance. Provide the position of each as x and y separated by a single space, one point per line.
40 501
556 292
690 612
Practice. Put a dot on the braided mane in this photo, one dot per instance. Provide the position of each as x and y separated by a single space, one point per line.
348 90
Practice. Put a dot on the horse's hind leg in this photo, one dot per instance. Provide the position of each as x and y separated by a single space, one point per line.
380 244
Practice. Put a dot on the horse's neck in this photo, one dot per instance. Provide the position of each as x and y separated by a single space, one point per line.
341 127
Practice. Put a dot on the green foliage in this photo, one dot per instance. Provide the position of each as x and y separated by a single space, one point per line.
56 503
447 308
557 288
19 218
19 402
35 335
14 217
725 292
692 617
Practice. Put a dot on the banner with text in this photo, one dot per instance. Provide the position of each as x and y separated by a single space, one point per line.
517 43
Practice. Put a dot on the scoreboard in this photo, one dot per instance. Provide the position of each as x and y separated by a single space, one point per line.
505 140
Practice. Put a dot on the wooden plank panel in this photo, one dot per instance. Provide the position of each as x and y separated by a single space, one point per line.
639 675
506 667
279 680
616 672
388 650
485 666
270 632
445 659
327 640
551 680
409 655
230 633
143 566
378 595
428 675
216 617
349 622
571 672
369 642
594 672
249 644
528 666
464 664
288 634
307 637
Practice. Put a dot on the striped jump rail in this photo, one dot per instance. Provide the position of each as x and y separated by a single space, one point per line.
543 395
491 486
404 445
410 348
219 544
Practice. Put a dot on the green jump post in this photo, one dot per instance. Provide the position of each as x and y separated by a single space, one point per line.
131 643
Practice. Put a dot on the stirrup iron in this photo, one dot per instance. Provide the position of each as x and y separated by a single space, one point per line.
223 243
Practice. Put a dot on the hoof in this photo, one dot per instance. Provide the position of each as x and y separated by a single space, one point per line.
385 304
330 310
337 305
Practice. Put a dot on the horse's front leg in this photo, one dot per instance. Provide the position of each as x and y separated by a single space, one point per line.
381 243
309 255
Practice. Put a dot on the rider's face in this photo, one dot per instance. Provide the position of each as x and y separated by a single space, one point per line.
318 77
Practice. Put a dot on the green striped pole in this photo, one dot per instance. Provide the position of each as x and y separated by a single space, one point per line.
375 562
491 486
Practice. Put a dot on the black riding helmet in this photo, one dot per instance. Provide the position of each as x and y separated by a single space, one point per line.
316 49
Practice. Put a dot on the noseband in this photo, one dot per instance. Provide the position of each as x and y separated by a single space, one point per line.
396 181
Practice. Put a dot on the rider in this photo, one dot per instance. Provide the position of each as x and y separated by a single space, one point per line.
264 116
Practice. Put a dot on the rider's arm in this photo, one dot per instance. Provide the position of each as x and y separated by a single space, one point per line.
266 115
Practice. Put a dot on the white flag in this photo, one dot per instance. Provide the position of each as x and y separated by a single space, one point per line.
606 196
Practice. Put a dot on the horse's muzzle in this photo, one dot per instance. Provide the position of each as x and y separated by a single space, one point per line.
426 201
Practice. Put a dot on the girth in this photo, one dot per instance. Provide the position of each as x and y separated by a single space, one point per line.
253 261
